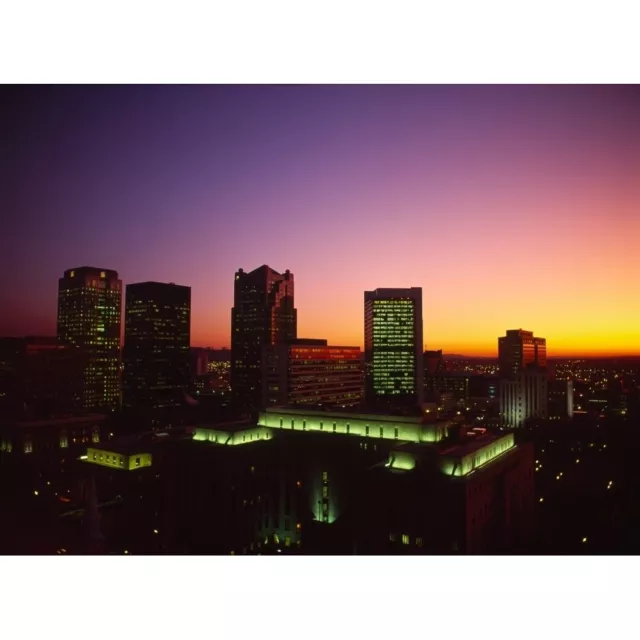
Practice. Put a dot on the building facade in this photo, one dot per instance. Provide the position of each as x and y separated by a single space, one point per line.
89 311
263 314
519 349
394 372
524 398
313 373
560 399
156 345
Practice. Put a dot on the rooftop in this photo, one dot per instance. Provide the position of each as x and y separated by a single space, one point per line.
60 422
368 415
463 448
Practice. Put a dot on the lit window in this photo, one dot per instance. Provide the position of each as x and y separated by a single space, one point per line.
405 538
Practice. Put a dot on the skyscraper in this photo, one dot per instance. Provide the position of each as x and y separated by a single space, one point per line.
394 373
263 314
89 310
518 350
156 345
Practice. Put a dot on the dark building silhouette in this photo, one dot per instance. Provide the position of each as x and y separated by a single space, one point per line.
156 345
560 399
312 372
519 349
263 314
89 310
433 362
394 373
455 381
40 378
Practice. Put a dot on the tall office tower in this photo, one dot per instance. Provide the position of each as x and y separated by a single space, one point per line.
311 372
89 309
263 314
523 397
394 373
518 350
157 338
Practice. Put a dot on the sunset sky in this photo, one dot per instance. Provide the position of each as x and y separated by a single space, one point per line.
510 206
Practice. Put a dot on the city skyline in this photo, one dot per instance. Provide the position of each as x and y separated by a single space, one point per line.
510 206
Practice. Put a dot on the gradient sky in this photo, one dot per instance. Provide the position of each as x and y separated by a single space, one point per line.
510 206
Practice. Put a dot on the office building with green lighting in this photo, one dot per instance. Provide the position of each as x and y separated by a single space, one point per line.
89 311
394 373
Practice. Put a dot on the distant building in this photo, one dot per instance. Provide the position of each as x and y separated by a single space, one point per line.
524 397
89 309
42 439
433 363
156 345
560 399
455 381
199 361
313 373
484 387
394 370
519 349
263 314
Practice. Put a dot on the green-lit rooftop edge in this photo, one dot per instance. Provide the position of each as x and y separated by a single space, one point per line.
461 461
117 460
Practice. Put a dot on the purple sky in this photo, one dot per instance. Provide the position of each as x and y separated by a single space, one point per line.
510 206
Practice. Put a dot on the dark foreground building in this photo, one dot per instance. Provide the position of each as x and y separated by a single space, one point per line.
314 482
40 378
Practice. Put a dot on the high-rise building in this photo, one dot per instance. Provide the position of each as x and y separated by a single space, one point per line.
394 373
518 350
156 345
89 310
263 314
313 373
524 397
